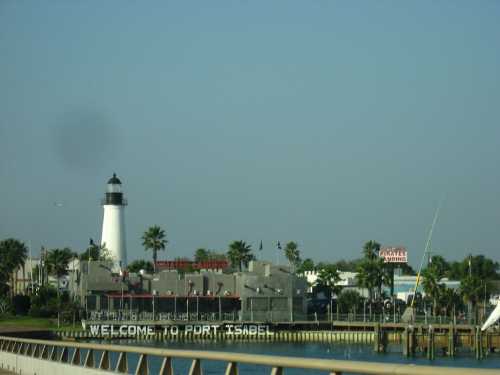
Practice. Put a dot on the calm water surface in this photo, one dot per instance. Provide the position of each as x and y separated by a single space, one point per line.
355 352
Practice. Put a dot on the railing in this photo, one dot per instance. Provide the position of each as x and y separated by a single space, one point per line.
59 352
257 316
96 316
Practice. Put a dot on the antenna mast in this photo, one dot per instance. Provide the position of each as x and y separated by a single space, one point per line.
426 251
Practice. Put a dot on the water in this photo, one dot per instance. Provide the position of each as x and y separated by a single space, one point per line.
355 352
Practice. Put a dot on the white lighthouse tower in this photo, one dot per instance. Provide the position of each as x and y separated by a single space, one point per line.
113 223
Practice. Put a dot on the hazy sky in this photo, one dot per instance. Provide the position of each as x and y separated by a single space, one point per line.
325 122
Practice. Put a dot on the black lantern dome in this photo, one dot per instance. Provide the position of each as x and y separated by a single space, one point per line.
114 180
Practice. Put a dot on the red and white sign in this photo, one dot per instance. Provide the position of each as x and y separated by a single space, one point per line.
394 254
184 264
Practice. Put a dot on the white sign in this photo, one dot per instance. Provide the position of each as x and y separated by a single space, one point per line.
394 254
126 330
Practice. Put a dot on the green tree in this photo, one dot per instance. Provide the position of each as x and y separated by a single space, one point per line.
370 276
471 289
349 300
476 274
306 265
13 254
348 265
406 269
57 265
45 303
95 252
449 300
240 253
436 270
213 255
371 270
388 275
201 255
292 254
328 278
440 265
371 249
5 306
433 288
140 264
478 265
154 239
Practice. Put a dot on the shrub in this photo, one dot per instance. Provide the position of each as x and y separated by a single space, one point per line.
21 304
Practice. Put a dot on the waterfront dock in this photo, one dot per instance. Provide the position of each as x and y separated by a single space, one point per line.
413 339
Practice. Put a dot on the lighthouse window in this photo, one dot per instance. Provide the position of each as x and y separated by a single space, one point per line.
114 188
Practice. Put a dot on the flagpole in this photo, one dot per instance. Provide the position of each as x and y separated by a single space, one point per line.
31 269
278 252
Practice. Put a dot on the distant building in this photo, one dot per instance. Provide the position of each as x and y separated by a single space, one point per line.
33 275
23 276
403 285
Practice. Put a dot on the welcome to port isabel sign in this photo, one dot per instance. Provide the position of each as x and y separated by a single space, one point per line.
128 330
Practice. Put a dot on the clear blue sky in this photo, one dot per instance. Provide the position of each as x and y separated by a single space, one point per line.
325 122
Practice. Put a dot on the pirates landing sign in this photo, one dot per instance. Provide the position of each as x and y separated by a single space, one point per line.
396 254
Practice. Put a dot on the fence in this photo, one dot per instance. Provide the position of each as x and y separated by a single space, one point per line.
266 316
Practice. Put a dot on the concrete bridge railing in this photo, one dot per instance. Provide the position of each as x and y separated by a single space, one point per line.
42 357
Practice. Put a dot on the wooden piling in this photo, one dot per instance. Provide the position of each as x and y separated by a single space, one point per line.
430 343
451 340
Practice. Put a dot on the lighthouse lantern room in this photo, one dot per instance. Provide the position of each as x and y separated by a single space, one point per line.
113 224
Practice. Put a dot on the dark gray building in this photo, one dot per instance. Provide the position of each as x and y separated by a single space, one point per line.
264 292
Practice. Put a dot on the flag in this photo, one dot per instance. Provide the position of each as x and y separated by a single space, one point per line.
279 246
260 246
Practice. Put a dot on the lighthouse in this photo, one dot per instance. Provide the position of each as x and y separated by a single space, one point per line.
113 223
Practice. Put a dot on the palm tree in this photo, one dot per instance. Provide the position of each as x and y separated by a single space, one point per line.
449 299
328 277
371 249
292 253
95 252
154 239
371 271
13 254
432 287
240 253
388 276
57 265
201 255
367 277
470 289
